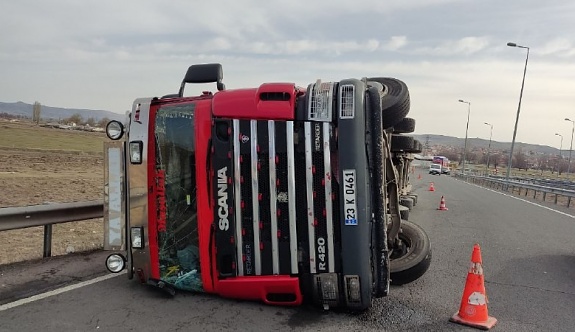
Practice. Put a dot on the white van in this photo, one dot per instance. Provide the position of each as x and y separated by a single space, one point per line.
435 169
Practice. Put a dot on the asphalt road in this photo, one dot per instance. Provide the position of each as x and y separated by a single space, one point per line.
528 259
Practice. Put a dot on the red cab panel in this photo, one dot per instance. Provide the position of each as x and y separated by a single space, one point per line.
274 101
275 290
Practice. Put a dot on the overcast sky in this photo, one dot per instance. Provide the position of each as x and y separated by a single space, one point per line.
104 54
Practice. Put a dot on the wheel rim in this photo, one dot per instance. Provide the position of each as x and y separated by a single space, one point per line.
402 249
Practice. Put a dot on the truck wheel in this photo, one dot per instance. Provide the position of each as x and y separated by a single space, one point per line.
412 258
403 212
417 147
414 198
406 125
401 143
406 201
395 100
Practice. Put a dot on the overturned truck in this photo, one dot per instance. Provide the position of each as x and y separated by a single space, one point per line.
277 193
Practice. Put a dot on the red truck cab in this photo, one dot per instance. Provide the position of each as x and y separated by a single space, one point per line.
267 193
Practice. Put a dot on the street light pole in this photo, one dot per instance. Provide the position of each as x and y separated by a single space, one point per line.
489 147
560 156
571 146
510 162
466 129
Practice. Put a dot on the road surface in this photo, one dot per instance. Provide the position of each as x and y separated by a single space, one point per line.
528 259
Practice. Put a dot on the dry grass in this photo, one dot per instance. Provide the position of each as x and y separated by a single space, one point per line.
39 165
24 135
67 238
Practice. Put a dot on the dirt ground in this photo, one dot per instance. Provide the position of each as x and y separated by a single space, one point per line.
36 176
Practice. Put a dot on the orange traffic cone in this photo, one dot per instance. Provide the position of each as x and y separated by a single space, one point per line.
431 188
473 308
419 176
442 206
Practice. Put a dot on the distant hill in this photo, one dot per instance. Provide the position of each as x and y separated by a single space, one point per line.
484 143
56 113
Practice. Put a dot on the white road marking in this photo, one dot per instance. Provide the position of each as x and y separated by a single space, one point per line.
521 199
57 291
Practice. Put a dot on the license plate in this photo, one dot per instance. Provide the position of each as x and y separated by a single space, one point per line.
349 204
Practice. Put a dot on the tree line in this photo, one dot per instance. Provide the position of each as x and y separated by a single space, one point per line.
79 120
521 160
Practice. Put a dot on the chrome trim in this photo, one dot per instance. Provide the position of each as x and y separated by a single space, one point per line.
309 187
114 196
328 199
237 197
291 196
255 201
137 177
273 197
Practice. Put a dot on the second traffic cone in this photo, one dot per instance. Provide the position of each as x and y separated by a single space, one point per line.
419 176
442 206
473 308
431 187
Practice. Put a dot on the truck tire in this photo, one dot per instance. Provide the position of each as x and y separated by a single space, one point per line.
407 202
401 143
405 126
412 260
417 147
395 100
413 197
403 212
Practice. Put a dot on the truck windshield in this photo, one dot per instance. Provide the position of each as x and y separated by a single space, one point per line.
175 161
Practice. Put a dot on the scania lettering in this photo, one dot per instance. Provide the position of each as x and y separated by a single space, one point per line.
223 199
277 193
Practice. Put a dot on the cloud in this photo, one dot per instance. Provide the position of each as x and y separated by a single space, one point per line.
396 42
102 54
463 46
560 46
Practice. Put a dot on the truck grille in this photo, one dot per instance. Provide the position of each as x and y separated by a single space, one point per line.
281 196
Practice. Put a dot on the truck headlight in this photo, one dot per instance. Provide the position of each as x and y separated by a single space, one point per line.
135 151
114 130
115 263
326 290
137 236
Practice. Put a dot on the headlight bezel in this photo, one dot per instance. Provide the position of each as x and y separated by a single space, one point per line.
115 263
114 130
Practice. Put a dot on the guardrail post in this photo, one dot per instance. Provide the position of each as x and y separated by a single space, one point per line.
544 196
568 201
47 240
556 198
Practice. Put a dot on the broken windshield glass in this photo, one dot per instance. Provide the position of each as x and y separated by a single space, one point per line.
176 168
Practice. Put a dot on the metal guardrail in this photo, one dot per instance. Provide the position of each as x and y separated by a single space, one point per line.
46 215
517 184
559 183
